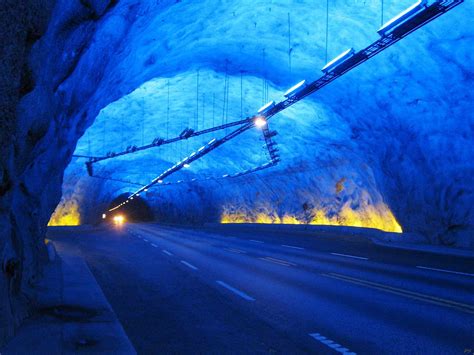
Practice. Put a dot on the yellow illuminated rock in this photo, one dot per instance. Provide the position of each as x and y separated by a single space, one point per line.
378 217
66 214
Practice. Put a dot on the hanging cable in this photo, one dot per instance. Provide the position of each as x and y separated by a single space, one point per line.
327 29
227 102
103 139
203 108
213 108
241 95
168 116
289 42
196 123
264 76
381 15
143 126
225 93
168 112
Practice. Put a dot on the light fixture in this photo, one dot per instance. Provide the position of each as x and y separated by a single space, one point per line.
295 89
266 107
260 121
341 58
401 17
104 215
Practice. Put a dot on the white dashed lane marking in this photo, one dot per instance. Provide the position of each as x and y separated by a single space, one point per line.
350 256
447 271
278 261
333 345
167 252
154 245
191 266
236 291
237 251
292 247
256 241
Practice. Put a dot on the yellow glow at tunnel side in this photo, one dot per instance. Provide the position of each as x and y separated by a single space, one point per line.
378 217
66 214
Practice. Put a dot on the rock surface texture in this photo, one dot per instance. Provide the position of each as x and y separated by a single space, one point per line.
388 145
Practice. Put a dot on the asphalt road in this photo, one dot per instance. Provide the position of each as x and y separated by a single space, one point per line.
185 291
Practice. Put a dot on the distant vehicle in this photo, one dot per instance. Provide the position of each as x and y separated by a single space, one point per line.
333 64
402 17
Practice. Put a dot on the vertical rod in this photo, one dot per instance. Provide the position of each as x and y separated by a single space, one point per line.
241 95
197 102
327 29
143 130
227 103
122 136
168 117
213 108
103 139
203 108
289 42
264 77
225 92
381 19
168 112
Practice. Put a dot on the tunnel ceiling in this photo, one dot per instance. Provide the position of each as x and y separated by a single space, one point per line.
385 146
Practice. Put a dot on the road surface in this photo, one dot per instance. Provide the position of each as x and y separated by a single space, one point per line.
185 291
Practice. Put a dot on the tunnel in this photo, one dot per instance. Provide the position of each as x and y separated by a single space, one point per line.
138 210
349 120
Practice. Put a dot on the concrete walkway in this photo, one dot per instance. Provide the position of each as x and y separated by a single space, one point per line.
71 315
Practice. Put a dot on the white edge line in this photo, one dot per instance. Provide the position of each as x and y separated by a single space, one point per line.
237 292
351 256
448 271
255 241
191 266
292 247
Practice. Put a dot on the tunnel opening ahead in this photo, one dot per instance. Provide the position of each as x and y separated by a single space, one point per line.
137 210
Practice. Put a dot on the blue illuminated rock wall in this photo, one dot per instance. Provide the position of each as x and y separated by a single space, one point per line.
391 138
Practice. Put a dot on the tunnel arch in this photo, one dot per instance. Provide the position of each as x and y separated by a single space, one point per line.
137 210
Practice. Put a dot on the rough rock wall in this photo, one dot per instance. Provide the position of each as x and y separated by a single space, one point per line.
386 127
394 134
22 23
41 43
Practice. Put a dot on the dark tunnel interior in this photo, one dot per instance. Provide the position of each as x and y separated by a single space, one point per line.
137 210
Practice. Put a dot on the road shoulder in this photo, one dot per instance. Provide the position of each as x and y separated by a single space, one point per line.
70 314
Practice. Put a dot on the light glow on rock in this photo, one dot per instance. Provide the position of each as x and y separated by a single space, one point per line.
377 217
66 214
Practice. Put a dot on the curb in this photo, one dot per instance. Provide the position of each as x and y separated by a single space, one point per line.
427 248
71 314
